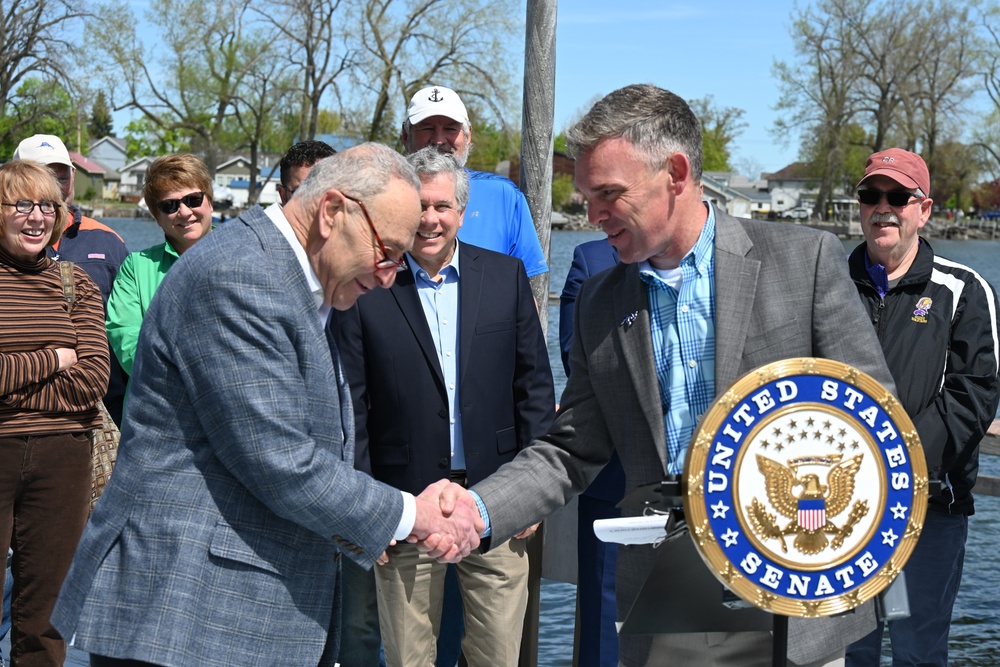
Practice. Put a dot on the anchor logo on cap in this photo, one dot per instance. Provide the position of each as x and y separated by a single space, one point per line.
435 97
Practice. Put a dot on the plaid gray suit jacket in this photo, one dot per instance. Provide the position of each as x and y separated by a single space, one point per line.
217 542
782 291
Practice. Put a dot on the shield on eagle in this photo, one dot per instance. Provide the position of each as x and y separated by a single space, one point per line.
812 513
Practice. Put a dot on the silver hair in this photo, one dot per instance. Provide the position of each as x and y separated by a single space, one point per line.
429 162
362 172
656 122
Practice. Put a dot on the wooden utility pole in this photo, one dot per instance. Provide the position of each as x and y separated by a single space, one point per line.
536 130
536 182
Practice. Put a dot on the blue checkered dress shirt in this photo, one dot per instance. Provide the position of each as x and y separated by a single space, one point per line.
682 324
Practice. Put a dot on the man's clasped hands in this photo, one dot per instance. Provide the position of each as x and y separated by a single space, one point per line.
448 524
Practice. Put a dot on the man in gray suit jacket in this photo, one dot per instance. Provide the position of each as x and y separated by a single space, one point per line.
700 299
218 541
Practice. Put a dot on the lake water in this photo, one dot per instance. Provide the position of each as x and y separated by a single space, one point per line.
975 634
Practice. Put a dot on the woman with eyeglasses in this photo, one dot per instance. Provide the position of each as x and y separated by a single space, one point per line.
53 370
178 192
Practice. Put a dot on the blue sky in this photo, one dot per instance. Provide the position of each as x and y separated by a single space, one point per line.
716 47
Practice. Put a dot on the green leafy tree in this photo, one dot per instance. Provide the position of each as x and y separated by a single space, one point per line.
719 128
559 144
954 171
42 107
562 191
188 77
903 73
101 123
145 139
36 41
819 93
328 122
491 145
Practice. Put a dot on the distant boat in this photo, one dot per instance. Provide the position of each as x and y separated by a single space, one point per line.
223 197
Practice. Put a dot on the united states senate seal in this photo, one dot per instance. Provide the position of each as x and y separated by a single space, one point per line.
805 487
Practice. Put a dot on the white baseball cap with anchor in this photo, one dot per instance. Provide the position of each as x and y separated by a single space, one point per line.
436 101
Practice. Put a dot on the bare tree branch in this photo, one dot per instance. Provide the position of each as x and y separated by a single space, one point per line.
34 42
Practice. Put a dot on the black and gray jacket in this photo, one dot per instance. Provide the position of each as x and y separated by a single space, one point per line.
938 329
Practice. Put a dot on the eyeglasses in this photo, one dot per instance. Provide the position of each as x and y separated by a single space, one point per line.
897 198
171 206
386 262
26 206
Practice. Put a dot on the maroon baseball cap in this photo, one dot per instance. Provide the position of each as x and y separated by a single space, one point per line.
906 168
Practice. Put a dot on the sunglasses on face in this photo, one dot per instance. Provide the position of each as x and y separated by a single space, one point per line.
897 198
26 206
171 206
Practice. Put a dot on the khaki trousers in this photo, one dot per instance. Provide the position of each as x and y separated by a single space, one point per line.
494 596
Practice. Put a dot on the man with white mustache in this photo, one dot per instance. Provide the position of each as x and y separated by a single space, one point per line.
497 216
937 323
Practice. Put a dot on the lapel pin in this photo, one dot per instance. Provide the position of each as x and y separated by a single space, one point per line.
629 320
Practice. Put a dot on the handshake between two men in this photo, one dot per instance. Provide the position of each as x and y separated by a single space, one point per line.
448 523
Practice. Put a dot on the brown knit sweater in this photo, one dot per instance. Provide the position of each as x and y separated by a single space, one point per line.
35 319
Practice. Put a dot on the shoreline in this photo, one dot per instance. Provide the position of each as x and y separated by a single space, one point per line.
969 229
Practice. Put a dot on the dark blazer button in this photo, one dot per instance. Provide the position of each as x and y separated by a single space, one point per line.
444 463
442 413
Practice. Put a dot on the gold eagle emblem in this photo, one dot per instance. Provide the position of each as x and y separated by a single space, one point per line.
813 507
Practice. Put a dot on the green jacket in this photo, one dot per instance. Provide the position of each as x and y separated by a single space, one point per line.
138 279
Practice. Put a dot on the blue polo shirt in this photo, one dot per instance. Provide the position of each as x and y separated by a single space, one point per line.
497 218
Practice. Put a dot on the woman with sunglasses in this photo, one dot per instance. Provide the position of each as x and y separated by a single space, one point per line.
178 192
53 370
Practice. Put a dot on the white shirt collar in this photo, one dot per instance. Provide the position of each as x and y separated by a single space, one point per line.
277 216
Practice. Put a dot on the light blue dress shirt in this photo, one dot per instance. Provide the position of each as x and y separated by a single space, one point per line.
682 324
440 303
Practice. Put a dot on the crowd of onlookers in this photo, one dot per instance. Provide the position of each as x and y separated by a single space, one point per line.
309 477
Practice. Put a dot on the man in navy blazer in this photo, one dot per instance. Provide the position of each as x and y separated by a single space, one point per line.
450 376
596 560
219 538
